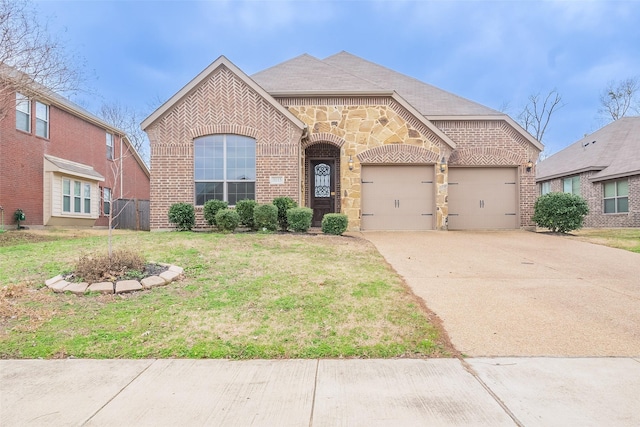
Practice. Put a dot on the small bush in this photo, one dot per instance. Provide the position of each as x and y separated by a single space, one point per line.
245 211
227 220
299 219
211 208
334 223
284 204
183 215
265 217
560 212
101 268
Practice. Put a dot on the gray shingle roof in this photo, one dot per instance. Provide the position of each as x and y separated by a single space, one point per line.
347 73
614 151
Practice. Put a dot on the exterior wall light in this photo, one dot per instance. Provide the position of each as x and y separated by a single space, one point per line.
350 163
443 165
529 166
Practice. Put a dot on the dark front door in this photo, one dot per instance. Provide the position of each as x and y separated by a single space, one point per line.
323 189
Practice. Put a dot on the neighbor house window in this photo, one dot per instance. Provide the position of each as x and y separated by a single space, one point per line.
616 196
545 188
109 146
76 196
571 185
23 113
106 201
42 120
225 168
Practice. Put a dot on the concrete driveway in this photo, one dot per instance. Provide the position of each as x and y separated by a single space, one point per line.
519 293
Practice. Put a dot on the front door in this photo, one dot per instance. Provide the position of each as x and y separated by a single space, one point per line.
322 186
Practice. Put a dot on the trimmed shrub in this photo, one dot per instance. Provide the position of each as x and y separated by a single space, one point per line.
284 204
299 219
211 208
183 216
227 220
265 217
560 212
334 223
245 211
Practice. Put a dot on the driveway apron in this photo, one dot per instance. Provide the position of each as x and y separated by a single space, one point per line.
519 293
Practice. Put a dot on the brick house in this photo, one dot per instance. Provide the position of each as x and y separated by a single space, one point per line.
603 168
341 134
62 165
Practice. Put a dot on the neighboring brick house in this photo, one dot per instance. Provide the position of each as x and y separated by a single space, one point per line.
341 135
603 168
62 165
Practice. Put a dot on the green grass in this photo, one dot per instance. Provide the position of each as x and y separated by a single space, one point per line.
621 238
243 296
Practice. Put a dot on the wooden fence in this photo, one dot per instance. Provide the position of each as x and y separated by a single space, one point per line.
131 214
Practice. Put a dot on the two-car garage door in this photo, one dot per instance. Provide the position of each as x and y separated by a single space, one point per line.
402 198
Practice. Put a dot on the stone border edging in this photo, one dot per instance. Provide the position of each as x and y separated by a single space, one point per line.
59 285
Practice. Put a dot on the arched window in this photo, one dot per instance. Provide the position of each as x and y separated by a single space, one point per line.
225 168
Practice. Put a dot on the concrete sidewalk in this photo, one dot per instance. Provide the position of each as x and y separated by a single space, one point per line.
400 392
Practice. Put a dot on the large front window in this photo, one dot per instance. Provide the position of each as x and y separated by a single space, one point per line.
616 196
225 168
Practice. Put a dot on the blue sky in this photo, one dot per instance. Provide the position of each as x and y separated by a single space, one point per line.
493 52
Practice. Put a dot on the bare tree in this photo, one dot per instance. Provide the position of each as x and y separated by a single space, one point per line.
536 114
619 97
31 58
127 120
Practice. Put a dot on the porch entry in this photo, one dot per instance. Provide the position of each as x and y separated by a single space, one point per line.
322 183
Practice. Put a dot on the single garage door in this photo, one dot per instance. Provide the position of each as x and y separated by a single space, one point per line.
397 198
483 198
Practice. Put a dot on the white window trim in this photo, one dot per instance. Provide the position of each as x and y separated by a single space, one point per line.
72 197
46 121
110 150
24 100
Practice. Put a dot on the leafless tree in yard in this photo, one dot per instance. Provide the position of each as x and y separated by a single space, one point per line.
536 114
129 121
31 57
619 98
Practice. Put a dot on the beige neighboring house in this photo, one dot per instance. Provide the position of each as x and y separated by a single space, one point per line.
341 134
603 168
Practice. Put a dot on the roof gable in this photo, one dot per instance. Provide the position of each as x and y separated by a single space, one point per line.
206 73
613 150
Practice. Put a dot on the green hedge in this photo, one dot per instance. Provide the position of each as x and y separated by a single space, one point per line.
245 211
334 223
560 212
183 215
265 217
284 204
299 219
211 208
227 220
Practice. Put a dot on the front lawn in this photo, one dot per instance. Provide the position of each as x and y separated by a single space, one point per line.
243 296
621 238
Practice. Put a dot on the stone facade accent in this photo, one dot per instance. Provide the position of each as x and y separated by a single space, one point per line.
222 103
368 133
593 193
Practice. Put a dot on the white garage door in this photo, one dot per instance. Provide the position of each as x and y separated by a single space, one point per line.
397 197
483 198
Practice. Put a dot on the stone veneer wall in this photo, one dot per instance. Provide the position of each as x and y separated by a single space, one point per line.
593 193
223 103
495 143
370 130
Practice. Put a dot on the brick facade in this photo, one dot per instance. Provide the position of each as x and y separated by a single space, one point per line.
73 138
364 129
593 193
